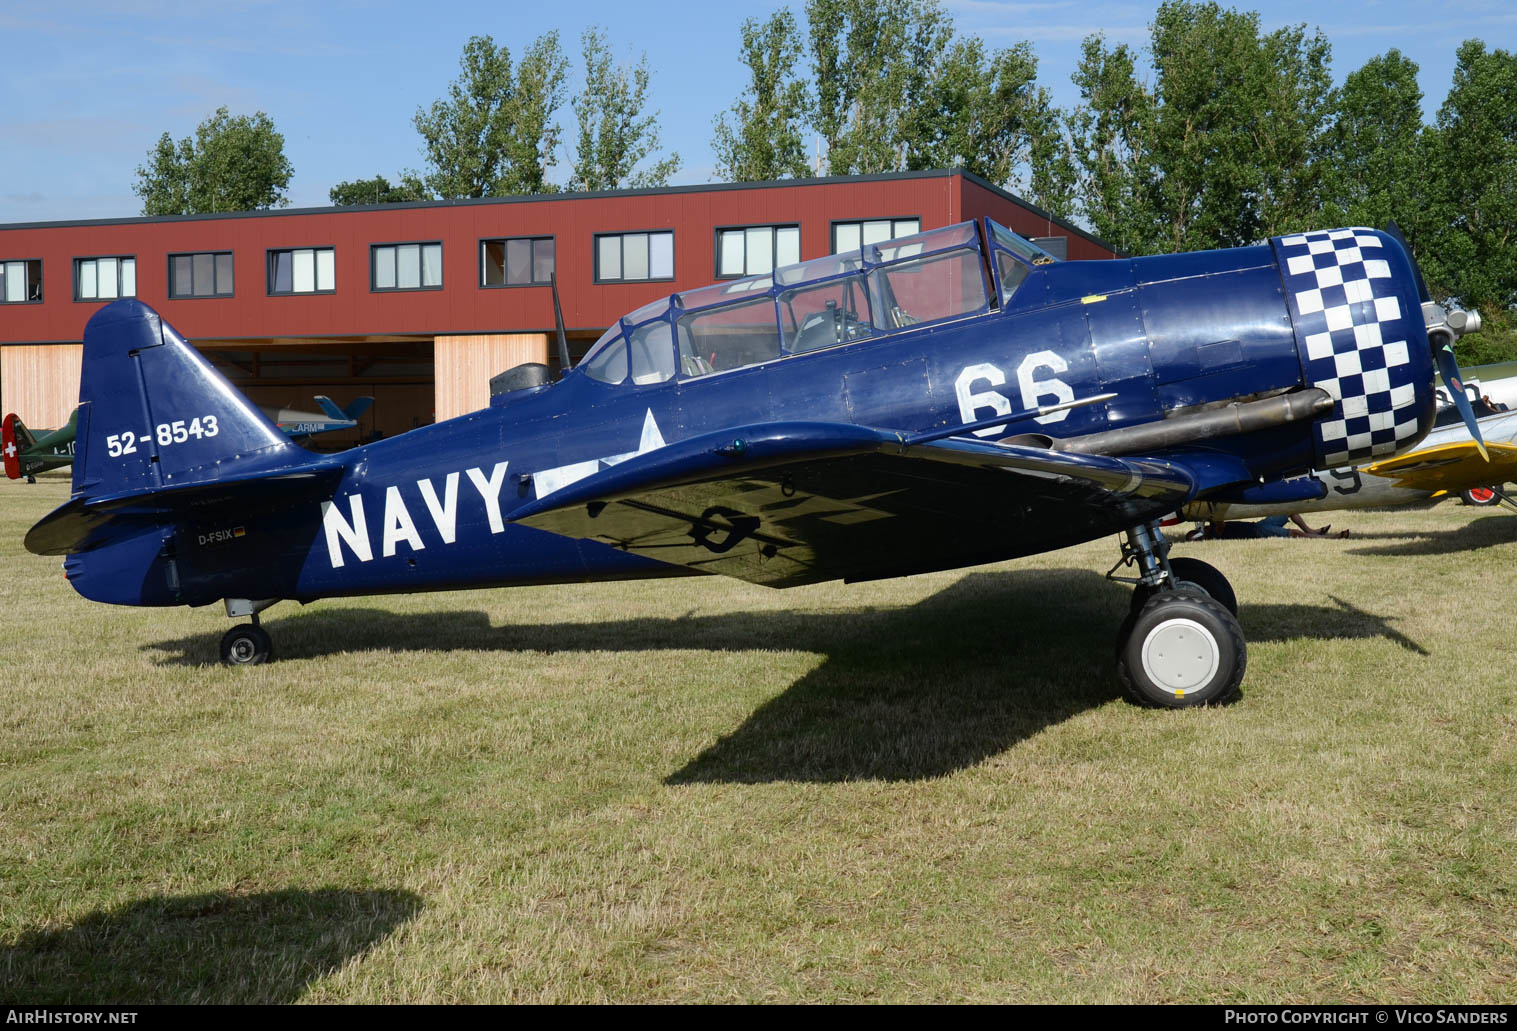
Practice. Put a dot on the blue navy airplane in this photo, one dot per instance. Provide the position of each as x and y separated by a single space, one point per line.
938 401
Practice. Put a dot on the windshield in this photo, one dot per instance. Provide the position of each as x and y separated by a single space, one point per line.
1015 257
837 299
1019 245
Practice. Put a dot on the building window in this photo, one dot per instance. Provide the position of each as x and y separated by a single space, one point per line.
634 257
208 274
303 270
519 261
406 266
1058 246
104 279
20 281
850 236
756 250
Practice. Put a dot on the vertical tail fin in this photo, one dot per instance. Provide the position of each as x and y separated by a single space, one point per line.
14 439
349 414
153 413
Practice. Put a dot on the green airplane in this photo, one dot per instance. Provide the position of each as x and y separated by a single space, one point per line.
27 454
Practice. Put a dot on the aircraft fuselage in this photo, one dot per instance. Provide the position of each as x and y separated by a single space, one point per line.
430 510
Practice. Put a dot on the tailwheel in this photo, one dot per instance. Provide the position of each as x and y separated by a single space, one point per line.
246 645
1181 649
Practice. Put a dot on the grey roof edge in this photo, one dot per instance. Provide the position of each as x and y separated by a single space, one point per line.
768 184
1063 223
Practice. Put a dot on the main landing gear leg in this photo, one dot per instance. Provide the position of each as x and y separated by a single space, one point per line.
247 644
1180 644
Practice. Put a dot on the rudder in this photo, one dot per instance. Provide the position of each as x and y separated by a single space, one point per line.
153 413
14 439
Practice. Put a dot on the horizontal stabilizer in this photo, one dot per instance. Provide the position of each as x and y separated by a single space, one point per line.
82 524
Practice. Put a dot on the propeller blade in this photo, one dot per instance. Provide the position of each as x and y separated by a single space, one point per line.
1448 368
1394 230
1448 365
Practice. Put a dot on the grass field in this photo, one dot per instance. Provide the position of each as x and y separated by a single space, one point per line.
700 790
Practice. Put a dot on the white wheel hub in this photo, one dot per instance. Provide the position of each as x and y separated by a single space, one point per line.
1180 655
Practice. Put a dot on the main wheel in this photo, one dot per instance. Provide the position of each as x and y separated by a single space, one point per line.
1193 576
1480 496
246 645
1180 650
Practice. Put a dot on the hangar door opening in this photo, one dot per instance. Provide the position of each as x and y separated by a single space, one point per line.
286 378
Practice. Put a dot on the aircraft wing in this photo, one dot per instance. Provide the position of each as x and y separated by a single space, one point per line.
794 503
1453 467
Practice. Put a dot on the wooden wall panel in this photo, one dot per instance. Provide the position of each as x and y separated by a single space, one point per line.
40 383
464 365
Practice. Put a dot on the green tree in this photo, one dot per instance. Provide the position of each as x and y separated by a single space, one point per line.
1372 165
872 61
987 114
1468 246
1112 134
891 88
494 134
231 164
614 134
534 136
1222 150
1295 79
764 140
379 190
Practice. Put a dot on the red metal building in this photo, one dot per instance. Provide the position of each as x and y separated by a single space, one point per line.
419 304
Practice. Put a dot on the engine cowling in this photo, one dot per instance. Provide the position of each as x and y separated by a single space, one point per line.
1353 301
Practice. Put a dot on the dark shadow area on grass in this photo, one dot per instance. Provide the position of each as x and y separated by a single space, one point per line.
904 692
1346 622
901 714
214 948
1484 532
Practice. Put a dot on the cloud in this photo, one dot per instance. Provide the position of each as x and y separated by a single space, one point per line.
1114 33
1460 28
89 135
1011 8
36 207
1054 20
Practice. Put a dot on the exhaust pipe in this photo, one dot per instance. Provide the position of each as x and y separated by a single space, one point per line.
1238 417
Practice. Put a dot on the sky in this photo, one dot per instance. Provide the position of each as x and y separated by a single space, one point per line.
99 82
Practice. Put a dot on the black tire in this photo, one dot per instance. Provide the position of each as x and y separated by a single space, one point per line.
1194 576
1480 496
1181 650
246 645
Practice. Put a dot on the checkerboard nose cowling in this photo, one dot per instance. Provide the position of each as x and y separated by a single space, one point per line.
1361 338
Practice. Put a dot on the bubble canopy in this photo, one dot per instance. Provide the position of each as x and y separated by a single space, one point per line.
882 288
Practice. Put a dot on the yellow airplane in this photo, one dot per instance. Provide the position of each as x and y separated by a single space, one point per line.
1448 462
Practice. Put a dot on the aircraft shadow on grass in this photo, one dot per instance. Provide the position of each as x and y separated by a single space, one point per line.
214 948
905 692
1486 532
